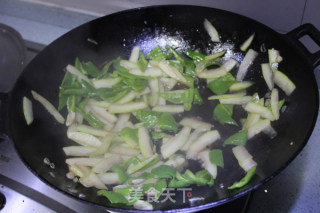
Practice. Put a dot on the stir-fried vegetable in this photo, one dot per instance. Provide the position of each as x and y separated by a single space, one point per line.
244 180
223 114
216 157
211 31
247 43
27 110
238 139
132 125
246 63
51 109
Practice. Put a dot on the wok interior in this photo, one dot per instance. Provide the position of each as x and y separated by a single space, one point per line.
181 27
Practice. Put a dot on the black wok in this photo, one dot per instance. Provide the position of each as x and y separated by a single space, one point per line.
182 27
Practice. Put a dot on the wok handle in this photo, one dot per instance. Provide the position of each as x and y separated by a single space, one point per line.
3 116
314 33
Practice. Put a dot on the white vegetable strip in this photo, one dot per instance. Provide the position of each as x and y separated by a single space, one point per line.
282 81
236 101
128 64
165 140
135 54
258 127
77 73
84 139
92 180
122 122
150 71
213 33
153 63
213 73
206 163
154 87
105 144
247 43
79 170
145 99
168 83
168 108
105 165
261 110
83 161
227 96
124 150
123 157
127 98
107 124
105 82
240 86
213 56
252 118
78 150
267 75
51 109
144 142
109 178
175 143
247 164
92 131
171 71
202 142
161 100
274 100
229 64
127 107
274 58
244 158
27 110
176 161
71 128
245 64
86 181
104 114
193 136
70 118
195 123
78 118
101 104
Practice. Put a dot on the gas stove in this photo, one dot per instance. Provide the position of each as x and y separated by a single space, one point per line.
22 191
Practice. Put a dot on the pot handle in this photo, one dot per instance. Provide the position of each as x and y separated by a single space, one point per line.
3 116
314 33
